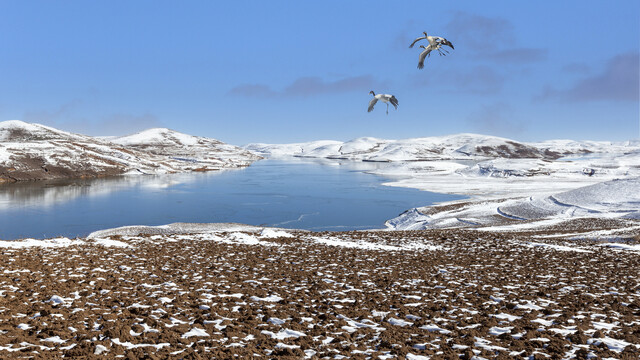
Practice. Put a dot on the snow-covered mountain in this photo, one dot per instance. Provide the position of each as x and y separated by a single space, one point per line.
179 146
452 147
472 164
34 151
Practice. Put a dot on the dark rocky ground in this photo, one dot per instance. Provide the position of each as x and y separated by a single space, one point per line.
433 294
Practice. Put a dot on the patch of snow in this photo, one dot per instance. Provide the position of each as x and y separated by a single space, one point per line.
283 334
270 298
557 247
543 321
276 321
109 243
129 345
622 246
195 332
497 331
528 306
54 339
613 344
399 322
435 328
271 233
411 356
508 317
100 349
47 243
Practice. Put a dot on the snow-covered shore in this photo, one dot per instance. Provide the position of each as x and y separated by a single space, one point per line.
506 180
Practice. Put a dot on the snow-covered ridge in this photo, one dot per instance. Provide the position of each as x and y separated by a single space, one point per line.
16 130
34 151
614 201
160 137
179 146
451 147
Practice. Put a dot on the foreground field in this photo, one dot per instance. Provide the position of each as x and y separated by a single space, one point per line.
432 294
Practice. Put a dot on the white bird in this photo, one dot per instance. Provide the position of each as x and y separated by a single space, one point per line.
435 43
433 40
385 98
427 52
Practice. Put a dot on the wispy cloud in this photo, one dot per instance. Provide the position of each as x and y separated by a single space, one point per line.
618 81
490 38
253 90
517 55
481 80
576 68
474 30
308 86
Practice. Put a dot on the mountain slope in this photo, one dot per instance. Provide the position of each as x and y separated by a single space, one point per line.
34 152
459 146
183 147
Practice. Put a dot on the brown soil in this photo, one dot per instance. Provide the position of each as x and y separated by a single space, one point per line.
483 294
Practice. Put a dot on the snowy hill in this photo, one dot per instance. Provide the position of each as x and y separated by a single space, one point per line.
477 165
160 137
453 147
179 146
34 151
615 200
20 131
295 149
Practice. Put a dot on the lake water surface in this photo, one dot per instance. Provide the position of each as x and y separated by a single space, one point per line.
290 194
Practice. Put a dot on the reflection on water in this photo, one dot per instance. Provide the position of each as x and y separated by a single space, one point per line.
307 193
43 194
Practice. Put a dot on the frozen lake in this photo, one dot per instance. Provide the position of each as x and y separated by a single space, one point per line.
290 194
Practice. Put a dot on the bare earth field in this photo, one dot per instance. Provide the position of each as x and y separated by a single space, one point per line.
429 294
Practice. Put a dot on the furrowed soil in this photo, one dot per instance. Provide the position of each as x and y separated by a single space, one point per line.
433 294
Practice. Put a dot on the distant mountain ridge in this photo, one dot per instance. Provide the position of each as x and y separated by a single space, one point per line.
451 147
37 152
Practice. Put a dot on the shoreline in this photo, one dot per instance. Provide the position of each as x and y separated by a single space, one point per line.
490 211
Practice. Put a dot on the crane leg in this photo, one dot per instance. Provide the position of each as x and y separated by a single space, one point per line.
387 109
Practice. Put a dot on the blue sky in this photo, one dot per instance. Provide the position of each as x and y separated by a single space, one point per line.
285 71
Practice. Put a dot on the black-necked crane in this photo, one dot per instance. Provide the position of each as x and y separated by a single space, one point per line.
385 98
427 52
435 43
